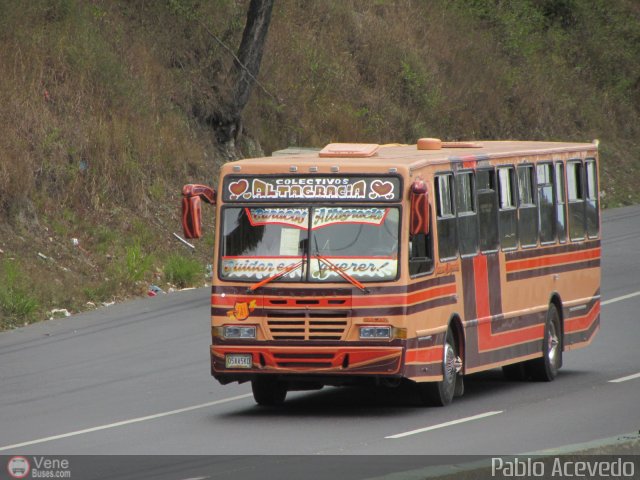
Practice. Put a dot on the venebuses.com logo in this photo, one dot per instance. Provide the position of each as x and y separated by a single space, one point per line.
18 467
38 467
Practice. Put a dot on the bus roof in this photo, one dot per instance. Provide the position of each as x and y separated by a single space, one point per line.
410 157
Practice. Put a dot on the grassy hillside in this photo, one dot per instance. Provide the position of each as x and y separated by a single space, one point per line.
104 108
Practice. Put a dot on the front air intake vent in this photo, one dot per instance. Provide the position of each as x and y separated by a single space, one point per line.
307 325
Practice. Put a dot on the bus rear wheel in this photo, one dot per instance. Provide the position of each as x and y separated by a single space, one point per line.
268 392
545 369
439 394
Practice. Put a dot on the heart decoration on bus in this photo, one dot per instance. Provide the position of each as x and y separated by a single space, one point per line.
239 187
382 189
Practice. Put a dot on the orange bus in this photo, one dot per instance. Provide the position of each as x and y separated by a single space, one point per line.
391 264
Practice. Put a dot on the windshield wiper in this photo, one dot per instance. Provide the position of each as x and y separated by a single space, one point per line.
284 271
334 268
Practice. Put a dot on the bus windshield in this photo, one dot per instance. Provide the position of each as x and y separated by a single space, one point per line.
259 242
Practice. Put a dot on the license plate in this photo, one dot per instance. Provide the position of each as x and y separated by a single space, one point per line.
238 360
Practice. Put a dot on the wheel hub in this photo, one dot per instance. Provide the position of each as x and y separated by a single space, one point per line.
450 367
553 345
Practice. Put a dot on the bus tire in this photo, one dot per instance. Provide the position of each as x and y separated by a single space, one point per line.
268 392
440 394
545 369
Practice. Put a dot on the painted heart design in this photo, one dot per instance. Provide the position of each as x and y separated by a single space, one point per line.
239 187
382 188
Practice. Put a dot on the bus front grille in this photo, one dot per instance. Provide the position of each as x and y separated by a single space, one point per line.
308 324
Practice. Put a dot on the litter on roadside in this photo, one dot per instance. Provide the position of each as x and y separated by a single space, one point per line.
154 290
184 241
59 313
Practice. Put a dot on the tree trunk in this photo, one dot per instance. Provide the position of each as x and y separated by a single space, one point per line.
242 75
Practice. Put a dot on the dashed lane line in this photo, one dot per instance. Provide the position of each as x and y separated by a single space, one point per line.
125 422
446 424
624 379
619 299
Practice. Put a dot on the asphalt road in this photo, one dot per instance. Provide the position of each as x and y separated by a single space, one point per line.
134 379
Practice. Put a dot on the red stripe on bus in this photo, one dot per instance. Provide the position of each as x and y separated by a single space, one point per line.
231 300
405 299
552 260
424 355
390 300
577 324
486 339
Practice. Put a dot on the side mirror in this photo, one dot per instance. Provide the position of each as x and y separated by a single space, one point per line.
192 195
419 222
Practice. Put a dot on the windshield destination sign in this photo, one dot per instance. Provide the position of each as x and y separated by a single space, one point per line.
263 189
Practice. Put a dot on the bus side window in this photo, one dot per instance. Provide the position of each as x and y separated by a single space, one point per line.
467 216
560 196
446 217
575 194
420 254
593 220
527 211
546 208
508 213
487 210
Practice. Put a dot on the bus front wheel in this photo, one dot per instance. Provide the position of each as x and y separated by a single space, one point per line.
439 394
268 392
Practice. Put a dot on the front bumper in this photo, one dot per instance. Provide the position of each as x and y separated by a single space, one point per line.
292 360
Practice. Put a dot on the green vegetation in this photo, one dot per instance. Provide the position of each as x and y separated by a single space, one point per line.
106 111
183 271
16 304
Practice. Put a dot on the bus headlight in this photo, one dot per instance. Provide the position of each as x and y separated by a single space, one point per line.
237 331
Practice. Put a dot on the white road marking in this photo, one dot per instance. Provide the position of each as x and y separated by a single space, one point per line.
446 424
619 299
125 422
624 379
